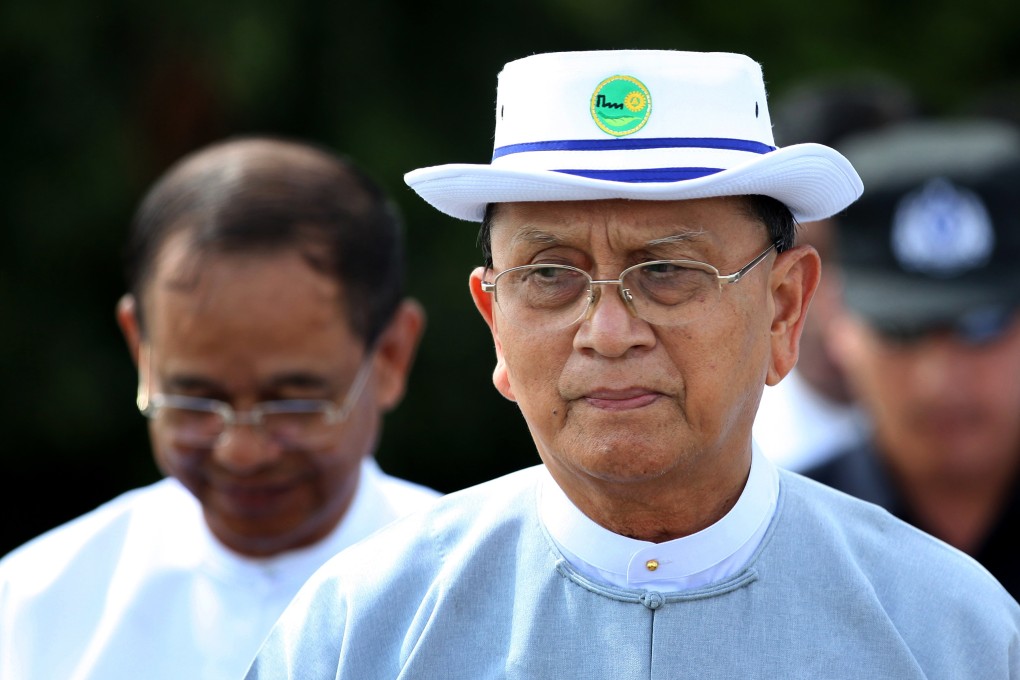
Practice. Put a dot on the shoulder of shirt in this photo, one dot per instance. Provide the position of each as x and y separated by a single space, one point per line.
893 555
97 532
433 534
404 495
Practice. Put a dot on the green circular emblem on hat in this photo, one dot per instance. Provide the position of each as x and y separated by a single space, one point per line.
621 105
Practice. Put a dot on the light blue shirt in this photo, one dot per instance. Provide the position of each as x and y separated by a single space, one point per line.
475 588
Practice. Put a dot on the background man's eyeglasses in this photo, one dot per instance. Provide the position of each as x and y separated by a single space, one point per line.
196 422
661 292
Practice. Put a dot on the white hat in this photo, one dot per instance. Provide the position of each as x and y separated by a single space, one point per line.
640 124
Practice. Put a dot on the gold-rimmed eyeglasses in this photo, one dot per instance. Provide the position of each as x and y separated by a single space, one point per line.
197 422
661 292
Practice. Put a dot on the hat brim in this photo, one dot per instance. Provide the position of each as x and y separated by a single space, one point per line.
913 303
812 180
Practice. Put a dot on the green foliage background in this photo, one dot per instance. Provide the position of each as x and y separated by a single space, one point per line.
99 97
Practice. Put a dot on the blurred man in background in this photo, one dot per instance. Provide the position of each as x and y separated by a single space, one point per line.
930 336
811 414
267 317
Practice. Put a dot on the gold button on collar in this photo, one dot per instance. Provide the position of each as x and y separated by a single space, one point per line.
652 565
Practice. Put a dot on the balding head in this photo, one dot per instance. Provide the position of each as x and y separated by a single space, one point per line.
262 195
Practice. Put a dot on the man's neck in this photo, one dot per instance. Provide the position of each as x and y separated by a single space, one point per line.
657 510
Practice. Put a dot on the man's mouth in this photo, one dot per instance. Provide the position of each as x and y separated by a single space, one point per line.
621 399
250 497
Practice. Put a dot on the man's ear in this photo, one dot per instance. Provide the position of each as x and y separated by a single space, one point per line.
483 302
396 350
127 319
792 283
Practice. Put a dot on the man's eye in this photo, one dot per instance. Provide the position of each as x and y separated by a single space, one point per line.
551 273
663 268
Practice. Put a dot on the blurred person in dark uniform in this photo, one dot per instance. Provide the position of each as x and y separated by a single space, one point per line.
267 317
930 337
811 414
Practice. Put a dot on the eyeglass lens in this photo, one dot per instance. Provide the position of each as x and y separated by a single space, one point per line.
203 428
555 296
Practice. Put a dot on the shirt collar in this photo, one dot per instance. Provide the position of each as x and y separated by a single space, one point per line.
714 553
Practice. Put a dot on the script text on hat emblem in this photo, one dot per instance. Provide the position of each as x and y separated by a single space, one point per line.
621 105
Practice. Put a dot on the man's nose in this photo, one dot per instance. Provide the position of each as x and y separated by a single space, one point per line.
937 365
611 327
243 447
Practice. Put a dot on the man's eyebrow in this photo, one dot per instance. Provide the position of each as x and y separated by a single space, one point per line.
534 235
680 237
299 379
185 382
294 379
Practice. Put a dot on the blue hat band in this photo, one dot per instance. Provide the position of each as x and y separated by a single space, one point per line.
718 143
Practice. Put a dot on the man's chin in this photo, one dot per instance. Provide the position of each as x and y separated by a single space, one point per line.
624 461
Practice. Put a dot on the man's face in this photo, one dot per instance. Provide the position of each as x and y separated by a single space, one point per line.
944 410
245 329
613 399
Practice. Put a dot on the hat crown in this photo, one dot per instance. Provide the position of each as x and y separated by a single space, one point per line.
941 185
637 124
912 152
550 97
937 233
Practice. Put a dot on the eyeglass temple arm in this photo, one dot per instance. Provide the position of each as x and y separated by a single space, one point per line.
351 398
737 275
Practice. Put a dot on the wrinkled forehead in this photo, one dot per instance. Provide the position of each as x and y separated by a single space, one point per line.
712 223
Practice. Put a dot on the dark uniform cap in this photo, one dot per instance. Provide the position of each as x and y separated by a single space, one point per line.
935 239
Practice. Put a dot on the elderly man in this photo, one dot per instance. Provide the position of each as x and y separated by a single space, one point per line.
641 288
267 318
931 335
